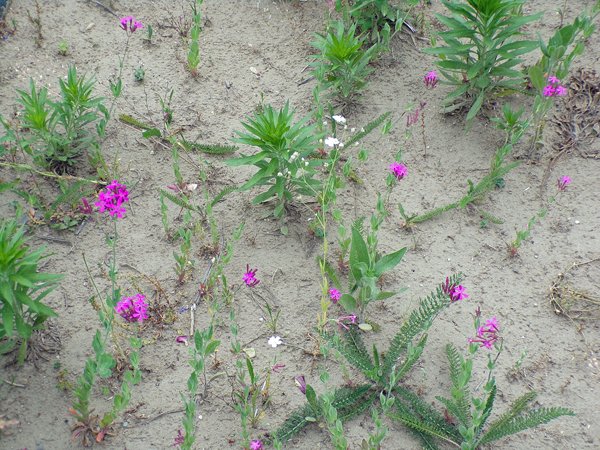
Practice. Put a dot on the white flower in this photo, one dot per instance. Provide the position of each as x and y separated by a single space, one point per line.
331 141
339 119
279 174
305 163
294 156
274 341
326 165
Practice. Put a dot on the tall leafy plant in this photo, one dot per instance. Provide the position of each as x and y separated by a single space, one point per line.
483 44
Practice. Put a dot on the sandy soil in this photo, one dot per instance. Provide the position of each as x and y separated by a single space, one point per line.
253 50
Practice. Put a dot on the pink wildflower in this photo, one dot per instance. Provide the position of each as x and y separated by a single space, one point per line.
250 277
178 439
560 91
256 444
111 199
553 89
128 23
334 295
487 334
552 79
457 293
344 321
549 91
399 170
563 182
430 79
300 383
86 208
133 309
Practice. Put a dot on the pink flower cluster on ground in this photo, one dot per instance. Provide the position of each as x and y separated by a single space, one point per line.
133 309
553 88
250 277
128 23
430 79
563 182
111 199
487 334
399 170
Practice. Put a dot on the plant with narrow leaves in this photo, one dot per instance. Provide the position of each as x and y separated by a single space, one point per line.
193 56
22 289
483 45
469 411
283 161
342 65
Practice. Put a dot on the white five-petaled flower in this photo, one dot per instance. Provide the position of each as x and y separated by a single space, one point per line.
339 119
274 341
331 141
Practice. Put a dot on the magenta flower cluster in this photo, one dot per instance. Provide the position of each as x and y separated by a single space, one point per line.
454 291
563 182
334 295
128 23
430 79
133 309
399 170
487 334
250 277
256 444
553 88
112 198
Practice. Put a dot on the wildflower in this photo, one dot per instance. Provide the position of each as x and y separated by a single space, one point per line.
549 91
430 79
274 341
86 208
256 444
300 383
250 277
133 309
344 321
458 293
334 295
487 334
339 119
552 79
181 339
128 23
277 368
331 141
399 170
554 89
179 438
563 182
111 199
560 91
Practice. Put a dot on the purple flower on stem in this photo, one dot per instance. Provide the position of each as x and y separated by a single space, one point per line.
458 293
553 89
128 23
250 277
256 444
430 79
133 309
344 321
563 182
549 91
179 438
182 339
487 335
300 383
86 208
112 198
334 295
399 170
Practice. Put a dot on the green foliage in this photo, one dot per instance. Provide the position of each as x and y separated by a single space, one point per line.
193 56
342 65
283 160
139 74
211 149
57 132
483 46
22 289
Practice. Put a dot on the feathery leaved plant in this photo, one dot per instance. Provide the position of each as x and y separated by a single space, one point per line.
383 370
22 289
471 412
483 45
283 159
193 56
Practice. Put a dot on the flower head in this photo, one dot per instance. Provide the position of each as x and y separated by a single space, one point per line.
457 293
399 170
487 334
300 383
334 295
331 141
552 79
274 341
112 198
430 79
250 277
549 91
563 182
133 309
553 88
344 321
339 119
179 439
128 23
256 444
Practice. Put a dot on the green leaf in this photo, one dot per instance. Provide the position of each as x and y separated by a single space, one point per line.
152 132
388 262
106 363
358 254
211 347
348 303
8 319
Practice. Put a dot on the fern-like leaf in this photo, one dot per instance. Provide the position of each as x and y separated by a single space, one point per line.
489 405
419 321
367 129
293 424
348 398
517 407
178 200
222 193
348 410
215 149
125 118
458 408
351 346
523 422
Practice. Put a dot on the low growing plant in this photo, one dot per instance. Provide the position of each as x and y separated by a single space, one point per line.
483 44
22 289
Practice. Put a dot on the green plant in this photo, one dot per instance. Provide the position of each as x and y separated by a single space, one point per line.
471 412
63 48
342 65
149 34
22 289
57 131
483 46
193 56
204 346
283 160
139 74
